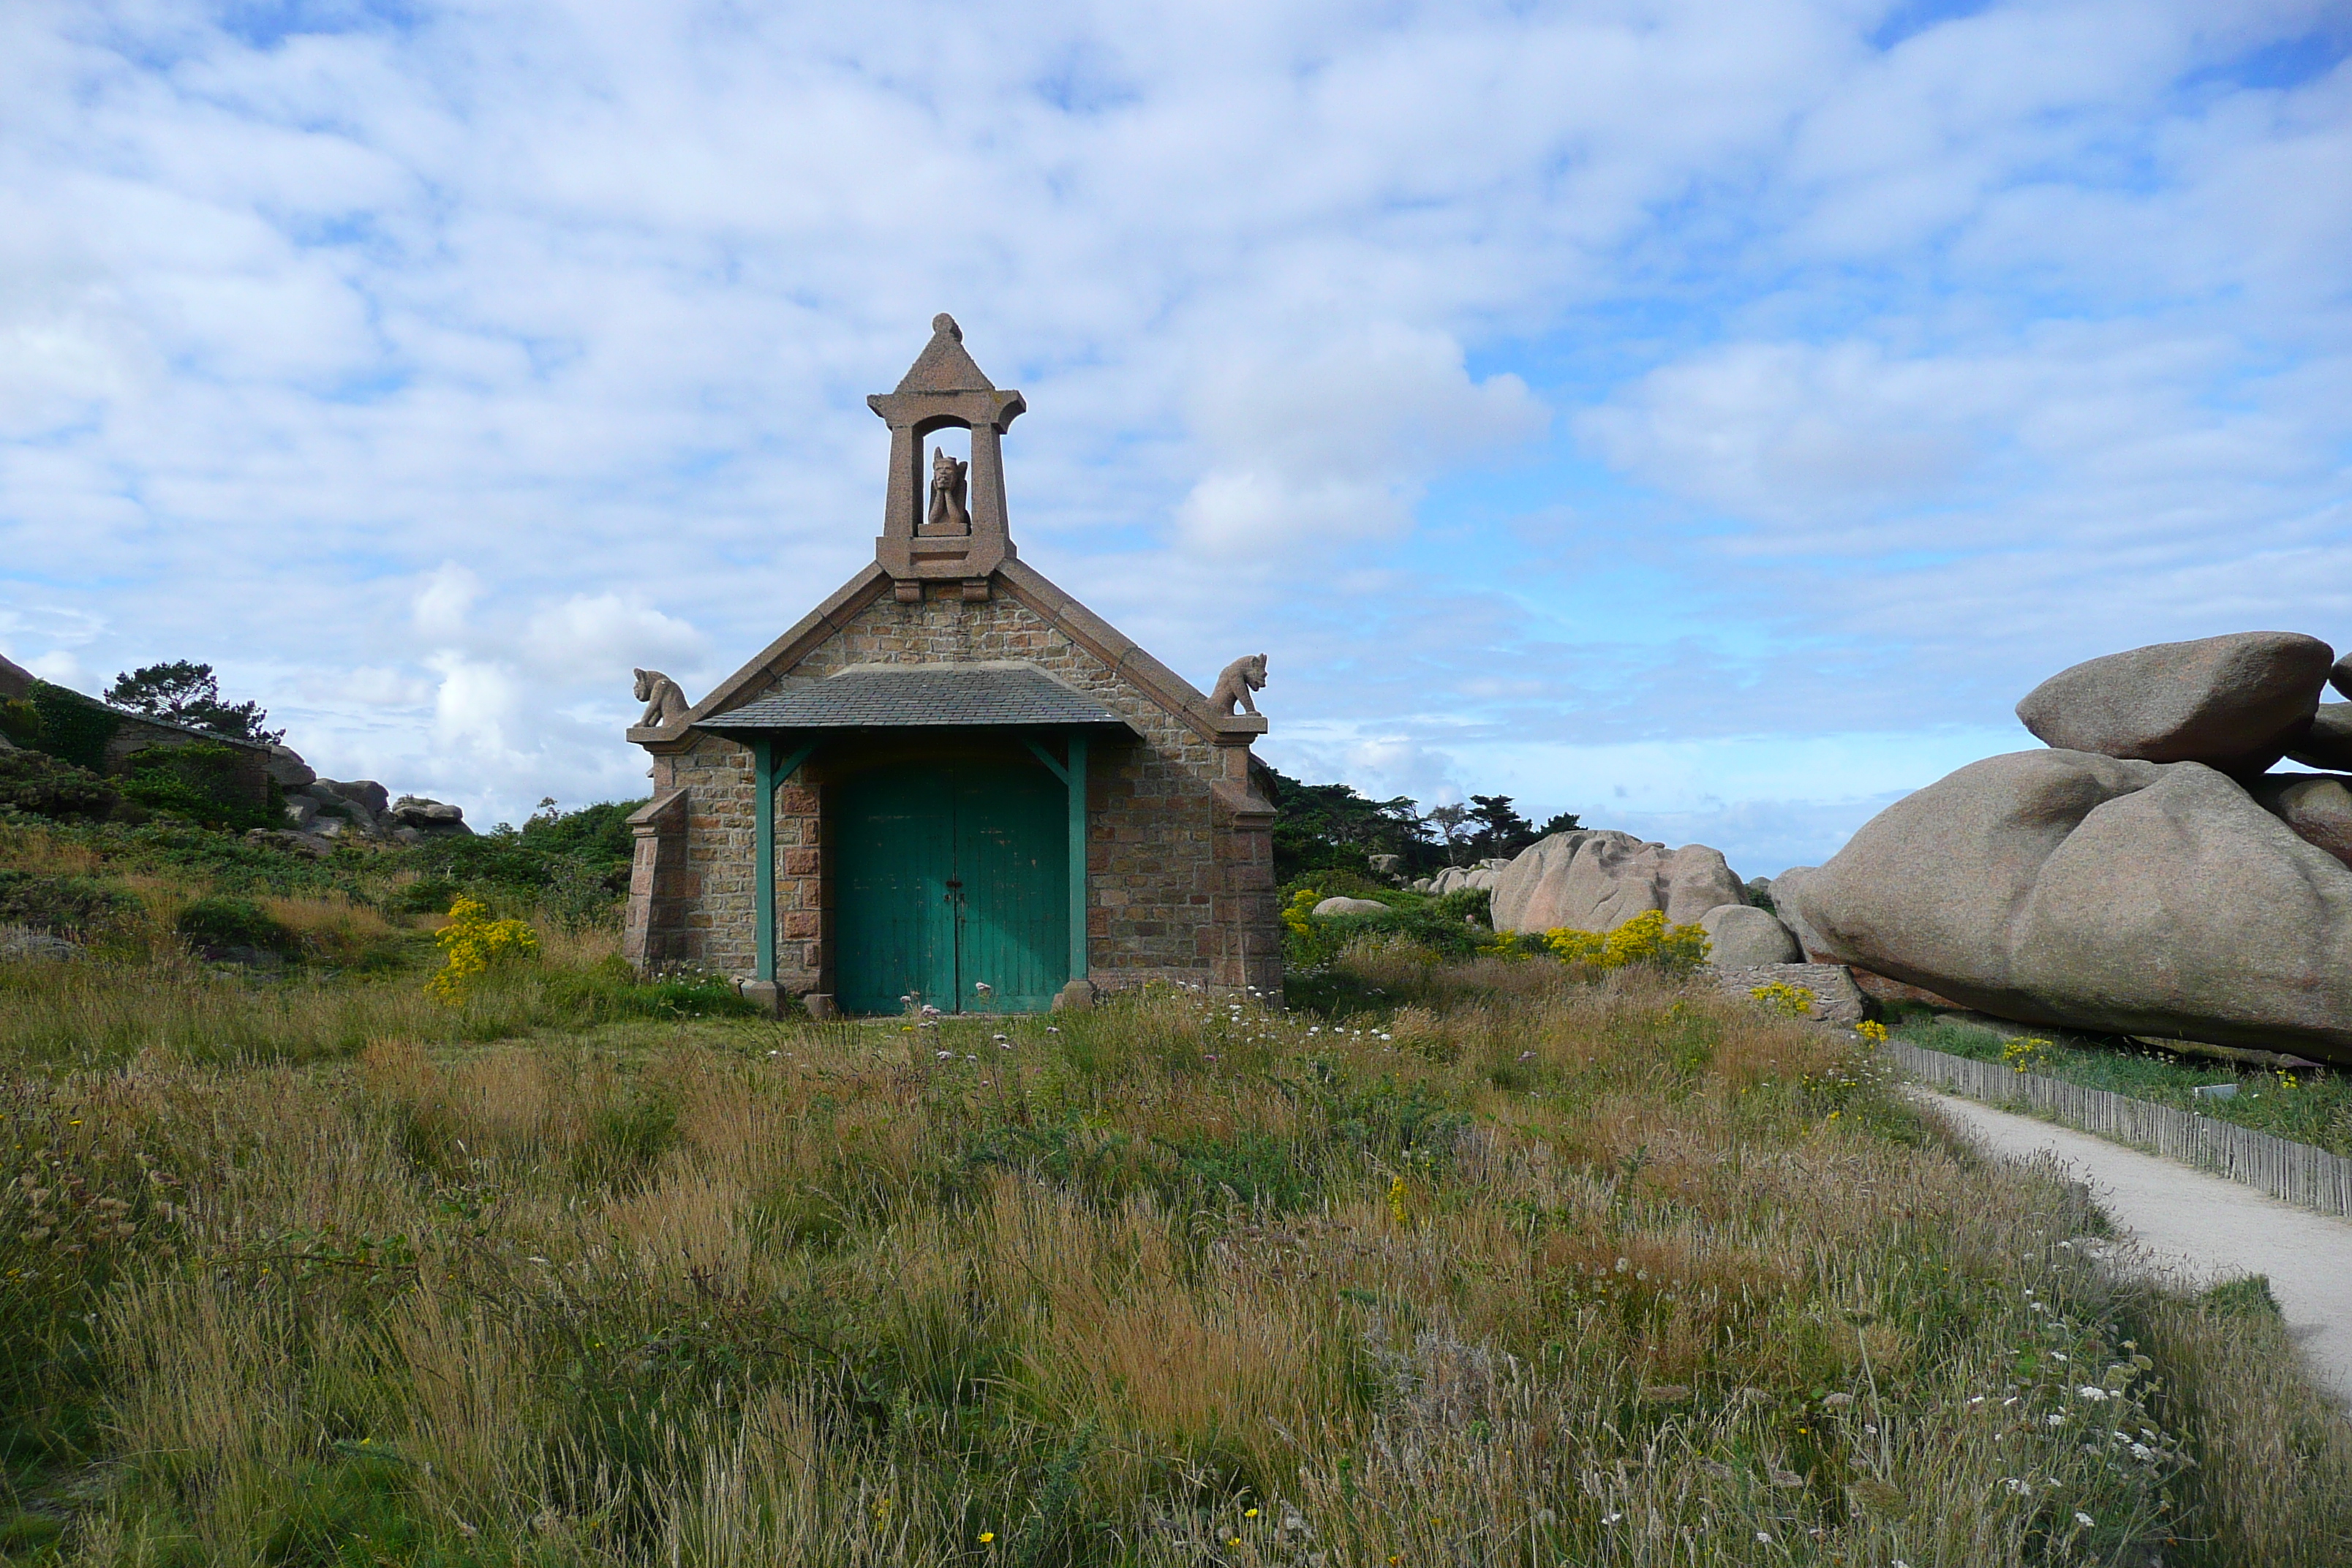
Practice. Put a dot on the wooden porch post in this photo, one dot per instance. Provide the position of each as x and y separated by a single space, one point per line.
763 854
1077 784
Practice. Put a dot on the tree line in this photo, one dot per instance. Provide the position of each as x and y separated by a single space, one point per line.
1333 826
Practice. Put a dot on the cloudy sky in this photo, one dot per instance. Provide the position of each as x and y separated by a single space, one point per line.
1709 417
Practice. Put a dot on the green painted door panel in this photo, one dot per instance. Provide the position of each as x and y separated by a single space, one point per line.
893 858
1013 852
949 875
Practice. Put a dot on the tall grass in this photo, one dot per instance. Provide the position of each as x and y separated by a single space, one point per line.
1509 1268
111 1007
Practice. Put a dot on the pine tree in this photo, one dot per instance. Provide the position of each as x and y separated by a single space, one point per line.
185 693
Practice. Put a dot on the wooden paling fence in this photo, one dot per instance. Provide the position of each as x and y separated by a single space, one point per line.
2295 1172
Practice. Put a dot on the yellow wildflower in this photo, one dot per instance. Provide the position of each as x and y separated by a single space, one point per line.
473 942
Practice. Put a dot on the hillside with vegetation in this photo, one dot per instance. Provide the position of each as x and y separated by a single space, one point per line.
322 1247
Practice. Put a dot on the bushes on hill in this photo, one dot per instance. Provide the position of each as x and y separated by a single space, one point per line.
72 726
48 787
1437 924
82 905
200 783
573 866
219 926
20 722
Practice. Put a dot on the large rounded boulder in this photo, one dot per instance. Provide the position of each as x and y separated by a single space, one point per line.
2317 807
2235 702
1740 936
2070 889
2328 743
1598 879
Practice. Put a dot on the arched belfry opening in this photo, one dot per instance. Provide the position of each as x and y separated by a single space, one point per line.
939 524
950 783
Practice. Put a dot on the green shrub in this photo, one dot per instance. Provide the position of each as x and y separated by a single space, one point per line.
1338 883
597 833
183 851
73 726
50 786
570 867
1309 940
611 991
82 904
426 895
217 925
2247 1296
199 782
1467 904
20 722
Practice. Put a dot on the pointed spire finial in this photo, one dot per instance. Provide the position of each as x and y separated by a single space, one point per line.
944 388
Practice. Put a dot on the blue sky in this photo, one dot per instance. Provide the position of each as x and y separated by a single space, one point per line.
1708 417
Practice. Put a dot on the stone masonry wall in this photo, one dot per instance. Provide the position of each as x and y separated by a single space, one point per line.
1176 889
719 931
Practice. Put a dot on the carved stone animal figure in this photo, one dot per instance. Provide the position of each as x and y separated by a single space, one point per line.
1241 677
946 514
666 704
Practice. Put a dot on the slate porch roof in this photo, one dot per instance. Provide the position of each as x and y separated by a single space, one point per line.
918 696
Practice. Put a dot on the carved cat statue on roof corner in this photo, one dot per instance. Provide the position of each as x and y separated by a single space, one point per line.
666 703
1240 678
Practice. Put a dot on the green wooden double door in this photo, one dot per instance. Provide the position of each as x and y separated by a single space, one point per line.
948 877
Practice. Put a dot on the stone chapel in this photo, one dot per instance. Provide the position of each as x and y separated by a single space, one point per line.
951 784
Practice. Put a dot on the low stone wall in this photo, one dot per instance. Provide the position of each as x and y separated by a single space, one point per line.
2296 1172
1835 998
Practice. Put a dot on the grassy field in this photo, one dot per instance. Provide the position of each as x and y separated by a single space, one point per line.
1468 1262
2310 1105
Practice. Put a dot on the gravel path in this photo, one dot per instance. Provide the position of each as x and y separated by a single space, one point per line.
2199 1228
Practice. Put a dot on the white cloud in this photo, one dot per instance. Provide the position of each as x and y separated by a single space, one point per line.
532 341
60 669
372 687
602 637
1788 429
442 604
1331 442
477 710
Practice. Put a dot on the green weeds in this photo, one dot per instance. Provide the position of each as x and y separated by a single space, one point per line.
2311 1105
